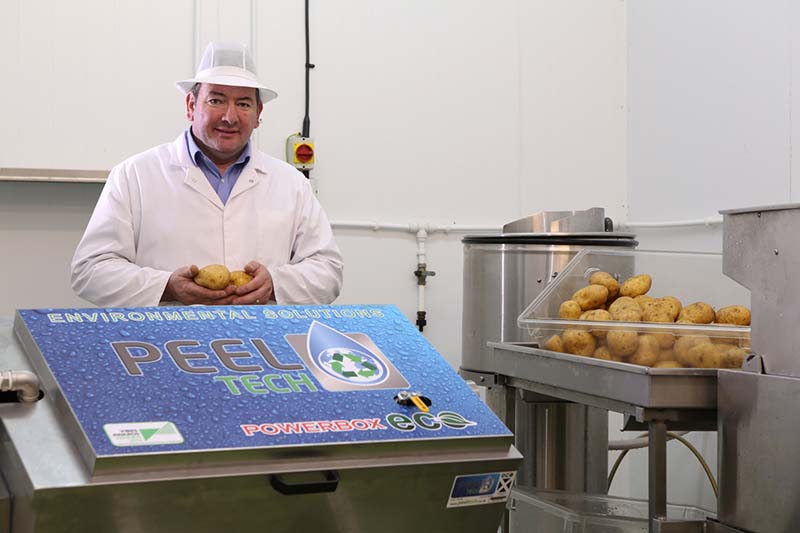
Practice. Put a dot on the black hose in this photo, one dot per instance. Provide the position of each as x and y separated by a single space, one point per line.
309 66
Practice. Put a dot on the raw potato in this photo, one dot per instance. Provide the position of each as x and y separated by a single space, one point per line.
643 301
708 355
554 344
665 340
591 297
569 309
622 342
734 314
636 285
694 356
600 315
579 342
647 352
628 314
240 277
656 311
623 302
602 352
596 314
659 311
606 280
734 357
684 344
667 364
213 277
605 299
667 355
698 313
674 305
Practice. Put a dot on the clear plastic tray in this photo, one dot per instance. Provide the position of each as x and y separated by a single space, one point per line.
545 511
688 276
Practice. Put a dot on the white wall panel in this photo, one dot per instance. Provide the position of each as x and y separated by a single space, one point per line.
572 91
91 82
418 101
794 24
710 96
40 225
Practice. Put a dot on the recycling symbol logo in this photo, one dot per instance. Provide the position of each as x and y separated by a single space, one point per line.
352 366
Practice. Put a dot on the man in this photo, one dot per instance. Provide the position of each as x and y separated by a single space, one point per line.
209 197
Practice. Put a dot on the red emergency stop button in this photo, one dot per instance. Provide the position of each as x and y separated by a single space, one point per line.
304 153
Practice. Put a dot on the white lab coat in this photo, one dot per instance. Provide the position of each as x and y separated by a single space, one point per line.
157 212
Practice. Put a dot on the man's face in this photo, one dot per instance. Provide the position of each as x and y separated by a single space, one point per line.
223 117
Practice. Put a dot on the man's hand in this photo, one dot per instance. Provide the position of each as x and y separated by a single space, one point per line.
258 291
182 288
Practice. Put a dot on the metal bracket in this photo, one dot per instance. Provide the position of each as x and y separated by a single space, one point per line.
676 420
482 379
753 363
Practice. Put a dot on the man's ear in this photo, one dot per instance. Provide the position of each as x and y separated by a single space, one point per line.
258 115
190 103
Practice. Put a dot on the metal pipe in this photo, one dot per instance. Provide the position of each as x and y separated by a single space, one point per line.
640 442
24 383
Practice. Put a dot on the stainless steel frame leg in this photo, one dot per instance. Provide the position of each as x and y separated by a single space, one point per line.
502 400
657 471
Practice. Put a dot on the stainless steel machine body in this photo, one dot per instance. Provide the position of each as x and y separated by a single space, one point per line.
394 486
753 409
562 443
758 410
504 273
653 399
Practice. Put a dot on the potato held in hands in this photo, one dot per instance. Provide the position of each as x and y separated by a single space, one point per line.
214 277
240 277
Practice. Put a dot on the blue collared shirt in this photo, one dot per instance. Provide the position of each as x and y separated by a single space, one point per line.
222 184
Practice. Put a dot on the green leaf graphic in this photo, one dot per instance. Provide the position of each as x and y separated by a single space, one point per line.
454 420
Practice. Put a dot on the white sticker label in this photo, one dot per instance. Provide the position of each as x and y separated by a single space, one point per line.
143 433
481 489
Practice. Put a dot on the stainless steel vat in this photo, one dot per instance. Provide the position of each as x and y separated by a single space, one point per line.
502 275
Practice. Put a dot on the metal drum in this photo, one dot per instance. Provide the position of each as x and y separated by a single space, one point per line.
502 275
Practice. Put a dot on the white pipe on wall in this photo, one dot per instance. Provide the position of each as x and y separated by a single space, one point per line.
413 227
422 231
422 235
708 221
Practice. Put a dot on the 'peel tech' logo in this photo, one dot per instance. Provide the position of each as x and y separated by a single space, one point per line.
345 362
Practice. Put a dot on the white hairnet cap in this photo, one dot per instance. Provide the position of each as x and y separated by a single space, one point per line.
225 63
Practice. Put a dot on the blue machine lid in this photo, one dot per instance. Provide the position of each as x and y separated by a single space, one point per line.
190 385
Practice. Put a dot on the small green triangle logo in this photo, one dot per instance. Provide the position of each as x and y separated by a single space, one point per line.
147 433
